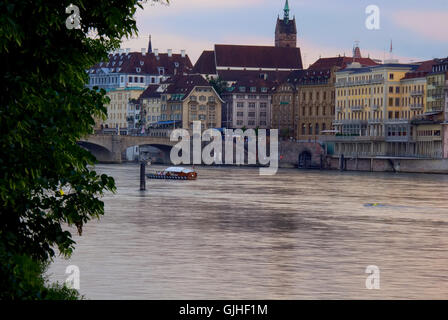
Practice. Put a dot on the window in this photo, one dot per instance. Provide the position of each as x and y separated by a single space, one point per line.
240 105
251 104
251 114
202 98
253 89
397 102
397 89
263 105
391 89
264 89
242 89
240 114
317 128
391 76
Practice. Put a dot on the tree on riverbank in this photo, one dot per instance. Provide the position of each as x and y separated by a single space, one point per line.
46 179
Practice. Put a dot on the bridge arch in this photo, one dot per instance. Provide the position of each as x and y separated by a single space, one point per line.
101 153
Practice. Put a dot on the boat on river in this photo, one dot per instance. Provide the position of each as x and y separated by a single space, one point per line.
174 173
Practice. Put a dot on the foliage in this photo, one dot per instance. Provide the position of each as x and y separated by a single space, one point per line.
46 179
24 279
218 84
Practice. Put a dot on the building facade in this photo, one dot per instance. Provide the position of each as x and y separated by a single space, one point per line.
283 110
189 98
117 109
247 105
137 69
381 111
316 104
152 104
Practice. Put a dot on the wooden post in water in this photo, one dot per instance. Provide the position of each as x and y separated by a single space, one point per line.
142 176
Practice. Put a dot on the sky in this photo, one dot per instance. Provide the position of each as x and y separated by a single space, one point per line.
326 28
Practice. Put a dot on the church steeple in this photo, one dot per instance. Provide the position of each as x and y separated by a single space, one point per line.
286 11
285 30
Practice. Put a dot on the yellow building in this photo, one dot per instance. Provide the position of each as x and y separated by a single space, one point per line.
191 98
370 116
117 109
151 105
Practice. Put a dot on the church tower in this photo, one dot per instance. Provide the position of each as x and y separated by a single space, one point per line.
286 31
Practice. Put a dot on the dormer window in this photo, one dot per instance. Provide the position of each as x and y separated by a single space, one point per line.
242 89
161 71
138 70
142 63
253 89
176 64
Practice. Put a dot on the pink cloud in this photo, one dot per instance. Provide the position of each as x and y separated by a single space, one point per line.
431 24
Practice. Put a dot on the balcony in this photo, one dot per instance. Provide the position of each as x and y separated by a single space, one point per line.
374 121
354 138
397 121
337 122
399 139
358 83
375 107
357 108
416 106
417 93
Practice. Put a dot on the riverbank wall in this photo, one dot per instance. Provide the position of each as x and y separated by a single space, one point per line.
409 165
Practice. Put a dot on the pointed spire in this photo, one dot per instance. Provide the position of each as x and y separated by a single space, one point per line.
149 45
286 11
356 50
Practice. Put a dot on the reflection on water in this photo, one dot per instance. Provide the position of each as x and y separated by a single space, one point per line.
233 234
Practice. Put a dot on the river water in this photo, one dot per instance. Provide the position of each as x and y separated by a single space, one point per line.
233 234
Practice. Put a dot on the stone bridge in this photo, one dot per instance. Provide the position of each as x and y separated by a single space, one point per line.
109 148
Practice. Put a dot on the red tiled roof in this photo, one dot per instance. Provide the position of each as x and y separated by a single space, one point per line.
183 84
257 57
235 75
150 92
205 63
148 64
342 62
424 68
253 82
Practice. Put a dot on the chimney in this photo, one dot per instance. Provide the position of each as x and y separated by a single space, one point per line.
182 53
156 52
143 51
170 53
